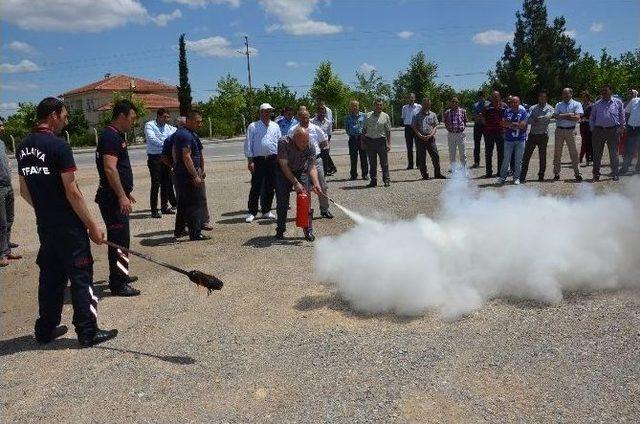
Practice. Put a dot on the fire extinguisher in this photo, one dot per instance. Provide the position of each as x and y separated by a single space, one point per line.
304 213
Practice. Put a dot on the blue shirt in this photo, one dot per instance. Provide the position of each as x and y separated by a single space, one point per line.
185 138
111 142
285 124
167 147
353 124
567 107
42 159
262 140
155 136
515 135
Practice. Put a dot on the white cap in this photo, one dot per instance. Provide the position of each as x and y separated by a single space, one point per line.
266 106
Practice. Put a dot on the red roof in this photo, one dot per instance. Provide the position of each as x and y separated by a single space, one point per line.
151 101
123 83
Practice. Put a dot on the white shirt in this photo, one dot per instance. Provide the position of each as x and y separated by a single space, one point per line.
633 109
156 135
262 140
316 136
329 116
409 111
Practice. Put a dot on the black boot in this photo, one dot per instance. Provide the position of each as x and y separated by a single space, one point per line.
59 331
96 337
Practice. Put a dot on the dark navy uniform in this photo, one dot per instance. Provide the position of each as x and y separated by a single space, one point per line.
191 198
167 150
65 253
111 142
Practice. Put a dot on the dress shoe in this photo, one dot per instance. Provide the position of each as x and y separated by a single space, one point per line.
207 227
353 178
13 245
181 234
596 178
579 177
59 331
327 214
372 183
409 167
13 257
540 177
387 183
308 234
98 337
168 211
475 165
200 237
488 175
280 234
133 279
425 177
125 291
440 177
365 177
156 214
556 177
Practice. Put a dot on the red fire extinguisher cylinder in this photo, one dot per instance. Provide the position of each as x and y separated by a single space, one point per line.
303 206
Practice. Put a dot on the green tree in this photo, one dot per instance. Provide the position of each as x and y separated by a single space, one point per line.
526 80
328 86
418 78
226 108
369 87
141 111
184 89
20 123
277 96
552 53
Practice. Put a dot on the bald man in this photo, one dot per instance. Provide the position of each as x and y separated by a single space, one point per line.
297 168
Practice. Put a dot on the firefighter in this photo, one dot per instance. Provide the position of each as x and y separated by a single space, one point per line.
47 182
114 194
297 168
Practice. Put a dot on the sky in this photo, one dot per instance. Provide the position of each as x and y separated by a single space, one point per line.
50 46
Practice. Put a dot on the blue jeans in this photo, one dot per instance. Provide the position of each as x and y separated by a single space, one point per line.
515 148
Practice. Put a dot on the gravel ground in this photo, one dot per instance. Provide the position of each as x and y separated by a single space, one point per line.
273 346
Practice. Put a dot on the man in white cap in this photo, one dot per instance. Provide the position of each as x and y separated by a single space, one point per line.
261 150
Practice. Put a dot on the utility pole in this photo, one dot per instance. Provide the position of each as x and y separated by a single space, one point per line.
250 99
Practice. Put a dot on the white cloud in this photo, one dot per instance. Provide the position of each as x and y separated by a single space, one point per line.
8 108
77 15
217 47
295 17
19 86
21 47
493 36
596 27
204 3
571 33
292 64
405 34
23 66
163 19
366 68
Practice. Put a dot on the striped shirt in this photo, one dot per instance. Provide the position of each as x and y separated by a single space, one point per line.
455 120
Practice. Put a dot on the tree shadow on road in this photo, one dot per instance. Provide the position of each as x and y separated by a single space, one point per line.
162 241
155 233
28 344
335 303
268 241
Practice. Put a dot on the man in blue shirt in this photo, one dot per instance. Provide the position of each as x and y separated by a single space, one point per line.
47 182
478 127
156 132
189 170
568 113
287 120
114 193
514 121
353 124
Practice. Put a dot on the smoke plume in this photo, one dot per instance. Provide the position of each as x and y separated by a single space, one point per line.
485 245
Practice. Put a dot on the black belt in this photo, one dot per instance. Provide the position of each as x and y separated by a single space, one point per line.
567 128
606 128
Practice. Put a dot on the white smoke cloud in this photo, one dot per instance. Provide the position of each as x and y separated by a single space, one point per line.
484 246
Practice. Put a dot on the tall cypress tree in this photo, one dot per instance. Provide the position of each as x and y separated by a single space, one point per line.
184 89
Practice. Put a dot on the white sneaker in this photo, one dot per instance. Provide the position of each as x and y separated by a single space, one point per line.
268 215
250 218
517 181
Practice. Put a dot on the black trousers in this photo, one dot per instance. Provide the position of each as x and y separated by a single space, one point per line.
478 130
422 147
283 192
193 204
180 225
160 181
377 147
65 255
263 182
492 140
7 214
410 140
117 232
355 151
535 140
